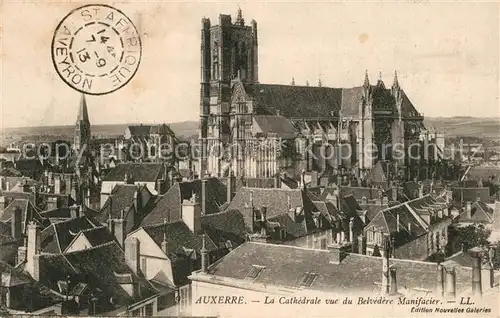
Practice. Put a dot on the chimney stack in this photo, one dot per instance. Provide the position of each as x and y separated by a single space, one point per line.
57 184
230 186
450 282
33 251
476 272
120 228
337 252
87 197
74 211
468 210
191 213
7 186
277 181
362 244
16 223
303 179
164 243
204 254
351 230
203 196
132 254
394 282
2 203
440 284
385 265
397 222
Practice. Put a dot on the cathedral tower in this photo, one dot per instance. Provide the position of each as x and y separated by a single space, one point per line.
229 50
82 128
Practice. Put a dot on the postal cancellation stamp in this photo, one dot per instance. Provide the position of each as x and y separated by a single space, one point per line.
96 49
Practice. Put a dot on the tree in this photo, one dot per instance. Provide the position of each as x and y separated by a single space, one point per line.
468 237
496 255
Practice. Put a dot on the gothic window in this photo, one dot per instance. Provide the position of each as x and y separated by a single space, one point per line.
215 59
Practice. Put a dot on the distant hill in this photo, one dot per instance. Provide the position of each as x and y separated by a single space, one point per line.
487 128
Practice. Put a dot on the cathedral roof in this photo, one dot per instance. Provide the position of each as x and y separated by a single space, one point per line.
293 101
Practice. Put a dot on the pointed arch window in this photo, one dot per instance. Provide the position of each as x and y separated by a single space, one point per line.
215 61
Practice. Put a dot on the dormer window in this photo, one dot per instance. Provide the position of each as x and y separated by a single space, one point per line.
307 279
255 271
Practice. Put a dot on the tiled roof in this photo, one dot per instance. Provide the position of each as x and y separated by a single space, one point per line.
351 100
355 273
99 235
29 212
480 213
360 192
57 237
169 205
12 195
97 267
296 101
223 226
39 295
465 258
139 130
271 125
121 198
178 236
141 172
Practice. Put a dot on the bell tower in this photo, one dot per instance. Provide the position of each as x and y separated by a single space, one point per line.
82 128
229 51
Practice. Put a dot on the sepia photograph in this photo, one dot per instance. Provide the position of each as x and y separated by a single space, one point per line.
249 159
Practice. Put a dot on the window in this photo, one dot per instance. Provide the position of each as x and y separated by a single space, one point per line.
282 234
370 236
255 271
307 279
184 297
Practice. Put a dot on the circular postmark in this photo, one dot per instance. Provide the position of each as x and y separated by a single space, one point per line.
96 49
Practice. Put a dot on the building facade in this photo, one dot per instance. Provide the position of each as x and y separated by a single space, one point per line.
265 129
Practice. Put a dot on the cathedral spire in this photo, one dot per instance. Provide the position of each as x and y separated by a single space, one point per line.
83 114
367 81
320 83
395 84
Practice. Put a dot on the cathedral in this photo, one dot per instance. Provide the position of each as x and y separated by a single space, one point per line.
260 130
82 134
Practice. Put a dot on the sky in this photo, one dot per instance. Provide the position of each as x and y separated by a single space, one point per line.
446 55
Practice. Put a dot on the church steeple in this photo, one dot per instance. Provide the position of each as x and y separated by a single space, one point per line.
395 84
239 19
367 81
83 114
82 128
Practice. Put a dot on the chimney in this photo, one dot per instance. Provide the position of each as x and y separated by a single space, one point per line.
303 179
230 186
394 192
2 203
362 244
203 196
16 223
164 243
137 205
450 290
74 211
351 230
385 200
74 190
204 255
385 265
7 186
263 219
191 213
21 254
132 254
92 305
393 282
51 203
364 200
68 184
33 251
277 181
440 280
476 273
120 228
420 190
337 252
87 197
409 227
468 210
57 184
397 222
314 179
26 186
